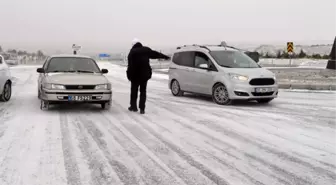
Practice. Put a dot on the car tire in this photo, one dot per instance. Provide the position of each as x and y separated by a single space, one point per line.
220 95
38 94
44 105
175 88
6 93
264 101
106 105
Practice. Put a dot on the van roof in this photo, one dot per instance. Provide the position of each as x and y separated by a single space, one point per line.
206 47
69 56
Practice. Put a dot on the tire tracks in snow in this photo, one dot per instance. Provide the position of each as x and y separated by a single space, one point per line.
7 106
202 168
99 173
172 115
180 119
17 143
153 175
289 175
70 162
206 171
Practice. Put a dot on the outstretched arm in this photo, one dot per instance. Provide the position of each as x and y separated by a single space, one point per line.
157 55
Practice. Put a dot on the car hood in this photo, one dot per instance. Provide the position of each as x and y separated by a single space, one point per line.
76 78
251 72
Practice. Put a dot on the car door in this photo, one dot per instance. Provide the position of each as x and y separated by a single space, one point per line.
203 77
185 62
3 73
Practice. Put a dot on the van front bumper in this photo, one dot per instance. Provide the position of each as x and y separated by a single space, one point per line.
248 92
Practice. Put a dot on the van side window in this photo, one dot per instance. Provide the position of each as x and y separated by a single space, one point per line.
176 58
185 58
201 58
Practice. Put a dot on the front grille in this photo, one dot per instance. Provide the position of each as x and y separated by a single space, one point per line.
262 81
79 87
263 94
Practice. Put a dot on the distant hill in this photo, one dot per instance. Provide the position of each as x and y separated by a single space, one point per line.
309 50
272 50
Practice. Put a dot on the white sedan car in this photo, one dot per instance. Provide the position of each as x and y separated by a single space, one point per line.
73 79
5 81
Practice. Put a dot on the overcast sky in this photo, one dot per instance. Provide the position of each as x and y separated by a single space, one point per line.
106 24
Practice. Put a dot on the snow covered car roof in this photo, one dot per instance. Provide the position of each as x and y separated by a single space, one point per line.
69 56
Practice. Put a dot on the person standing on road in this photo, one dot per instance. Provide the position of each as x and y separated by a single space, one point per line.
139 72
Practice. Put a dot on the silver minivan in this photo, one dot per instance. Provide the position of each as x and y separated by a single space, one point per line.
223 72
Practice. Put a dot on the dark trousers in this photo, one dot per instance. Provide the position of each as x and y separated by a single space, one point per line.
134 94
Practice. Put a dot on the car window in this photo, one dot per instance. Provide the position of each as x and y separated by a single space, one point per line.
45 64
201 58
0 60
176 58
233 59
185 58
66 64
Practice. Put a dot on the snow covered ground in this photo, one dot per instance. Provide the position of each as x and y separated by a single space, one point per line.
180 140
303 63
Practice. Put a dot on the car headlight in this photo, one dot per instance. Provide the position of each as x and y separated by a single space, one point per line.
103 87
238 77
54 86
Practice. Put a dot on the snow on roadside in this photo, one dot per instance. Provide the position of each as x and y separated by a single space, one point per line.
309 91
160 76
25 66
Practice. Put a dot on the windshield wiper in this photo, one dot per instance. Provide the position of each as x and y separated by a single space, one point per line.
84 71
71 71
226 66
57 71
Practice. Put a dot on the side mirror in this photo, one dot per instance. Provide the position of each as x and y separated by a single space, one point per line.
40 70
104 71
204 66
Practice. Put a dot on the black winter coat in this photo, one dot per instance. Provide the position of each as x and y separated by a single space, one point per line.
139 68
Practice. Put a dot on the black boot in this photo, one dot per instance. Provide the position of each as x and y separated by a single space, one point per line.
142 111
132 109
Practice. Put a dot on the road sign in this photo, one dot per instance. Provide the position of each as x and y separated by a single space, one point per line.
290 47
104 55
76 47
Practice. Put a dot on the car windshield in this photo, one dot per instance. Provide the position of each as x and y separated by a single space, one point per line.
72 64
233 59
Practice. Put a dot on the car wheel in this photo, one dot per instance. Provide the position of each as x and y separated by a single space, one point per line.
265 100
175 88
44 105
106 105
220 95
38 94
6 92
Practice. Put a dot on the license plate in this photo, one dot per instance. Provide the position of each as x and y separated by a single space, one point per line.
264 89
79 98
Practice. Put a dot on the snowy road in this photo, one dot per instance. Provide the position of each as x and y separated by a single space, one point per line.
180 140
